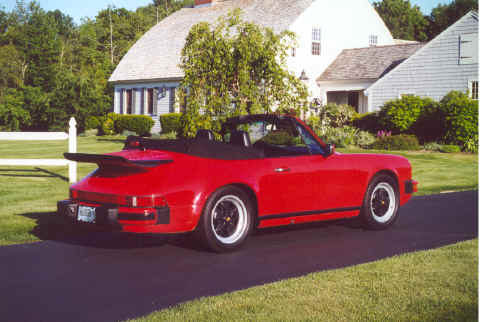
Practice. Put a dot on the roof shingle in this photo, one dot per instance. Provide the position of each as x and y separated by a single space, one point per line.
156 54
368 63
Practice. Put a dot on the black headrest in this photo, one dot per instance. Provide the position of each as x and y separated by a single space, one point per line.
205 134
240 138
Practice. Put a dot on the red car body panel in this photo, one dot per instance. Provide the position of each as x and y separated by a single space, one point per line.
312 187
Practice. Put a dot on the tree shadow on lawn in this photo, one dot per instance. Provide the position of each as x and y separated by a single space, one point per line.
32 173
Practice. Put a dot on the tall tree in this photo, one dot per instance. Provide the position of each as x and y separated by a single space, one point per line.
444 15
402 19
235 67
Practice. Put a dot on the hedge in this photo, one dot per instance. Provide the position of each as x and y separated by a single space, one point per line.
170 122
396 142
140 124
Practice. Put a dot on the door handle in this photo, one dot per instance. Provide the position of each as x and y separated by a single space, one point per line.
282 170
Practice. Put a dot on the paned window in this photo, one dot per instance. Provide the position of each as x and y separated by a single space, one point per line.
373 40
129 102
316 41
473 89
150 101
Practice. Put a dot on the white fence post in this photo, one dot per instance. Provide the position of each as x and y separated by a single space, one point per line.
72 148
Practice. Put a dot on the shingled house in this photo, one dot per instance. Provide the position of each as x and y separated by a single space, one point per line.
147 76
355 70
366 78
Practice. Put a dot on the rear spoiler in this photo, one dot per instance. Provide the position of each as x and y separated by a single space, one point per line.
105 160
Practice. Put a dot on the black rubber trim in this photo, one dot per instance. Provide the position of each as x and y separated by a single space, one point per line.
308 213
136 216
409 186
163 216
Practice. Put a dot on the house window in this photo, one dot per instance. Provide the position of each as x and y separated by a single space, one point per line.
129 102
373 40
473 89
316 41
468 49
294 51
150 101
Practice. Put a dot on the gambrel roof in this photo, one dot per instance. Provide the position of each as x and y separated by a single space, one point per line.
368 63
156 55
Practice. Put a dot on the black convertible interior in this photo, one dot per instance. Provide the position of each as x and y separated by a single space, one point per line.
236 143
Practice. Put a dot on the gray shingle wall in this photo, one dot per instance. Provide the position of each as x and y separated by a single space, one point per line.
433 71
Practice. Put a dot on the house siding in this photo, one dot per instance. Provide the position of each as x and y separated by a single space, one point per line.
431 72
162 103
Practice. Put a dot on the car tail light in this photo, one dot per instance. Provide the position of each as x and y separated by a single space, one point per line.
150 201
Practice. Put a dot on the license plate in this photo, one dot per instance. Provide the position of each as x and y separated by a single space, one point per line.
86 214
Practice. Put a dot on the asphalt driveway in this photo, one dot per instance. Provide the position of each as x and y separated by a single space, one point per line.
107 277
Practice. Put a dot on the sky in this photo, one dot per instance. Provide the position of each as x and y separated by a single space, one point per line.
78 9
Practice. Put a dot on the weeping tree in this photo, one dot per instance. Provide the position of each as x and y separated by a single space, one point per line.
235 67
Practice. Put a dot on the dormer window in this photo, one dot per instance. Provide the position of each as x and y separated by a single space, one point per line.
373 40
316 41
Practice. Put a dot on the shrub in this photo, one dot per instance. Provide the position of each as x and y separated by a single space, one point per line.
140 124
432 146
472 144
92 122
399 115
342 137
449 148
396 142
279 138
367 122
108 122
461 117
170 122
430 125
364 139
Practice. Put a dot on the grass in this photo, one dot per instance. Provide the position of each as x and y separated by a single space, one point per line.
438 172
28 195
433 285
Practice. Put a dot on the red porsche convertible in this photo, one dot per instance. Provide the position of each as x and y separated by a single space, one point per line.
267 170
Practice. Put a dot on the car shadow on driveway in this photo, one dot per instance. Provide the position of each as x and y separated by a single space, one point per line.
49 226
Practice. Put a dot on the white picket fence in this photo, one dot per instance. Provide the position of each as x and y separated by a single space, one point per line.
46 136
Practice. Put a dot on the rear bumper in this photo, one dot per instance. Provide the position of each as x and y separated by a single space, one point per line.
139 220
411 186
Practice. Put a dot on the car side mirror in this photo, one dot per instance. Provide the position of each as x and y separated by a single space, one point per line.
330 149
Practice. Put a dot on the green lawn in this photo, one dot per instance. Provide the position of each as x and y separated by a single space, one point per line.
433 285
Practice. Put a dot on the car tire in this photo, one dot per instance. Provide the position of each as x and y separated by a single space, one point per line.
380 205
226 220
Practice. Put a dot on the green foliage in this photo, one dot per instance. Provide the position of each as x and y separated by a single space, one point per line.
402 19
109 124
461 117
368 122
432 146
444 15
140 124
331 115
449 148
347 136
396 142
92 122
364 139
235 67
472 144
12 114
279 138
170 122
400 114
